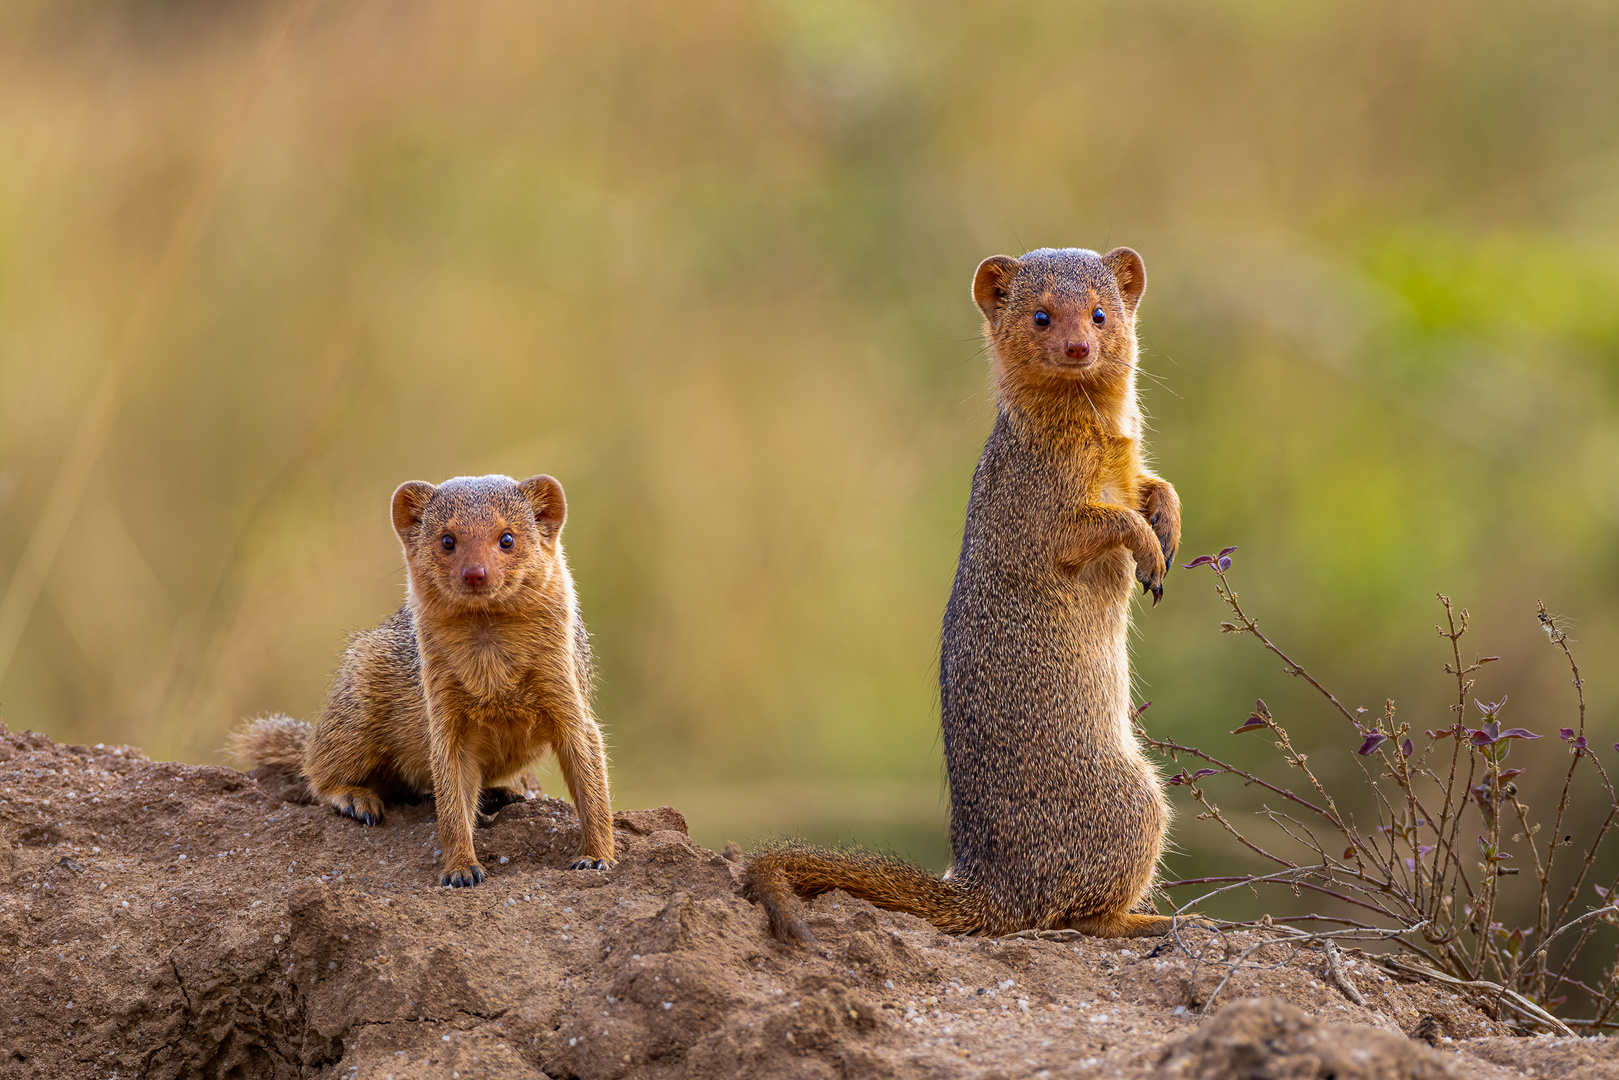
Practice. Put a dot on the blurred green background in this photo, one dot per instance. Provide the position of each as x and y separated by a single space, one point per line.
708 264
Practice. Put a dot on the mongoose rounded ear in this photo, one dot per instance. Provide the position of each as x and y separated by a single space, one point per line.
544 494
410 499
1129 273
992 285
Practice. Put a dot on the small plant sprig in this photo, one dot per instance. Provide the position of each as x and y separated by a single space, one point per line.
1454 847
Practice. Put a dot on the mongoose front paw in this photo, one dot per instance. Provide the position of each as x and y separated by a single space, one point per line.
464 878
1162 509
587 863
1168 533
366 809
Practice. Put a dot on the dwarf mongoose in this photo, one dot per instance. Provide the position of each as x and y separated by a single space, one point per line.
1056 818
484 668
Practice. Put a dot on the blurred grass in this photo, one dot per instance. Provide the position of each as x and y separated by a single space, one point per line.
708 265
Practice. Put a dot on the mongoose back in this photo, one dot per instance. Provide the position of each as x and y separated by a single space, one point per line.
484 668
1056 818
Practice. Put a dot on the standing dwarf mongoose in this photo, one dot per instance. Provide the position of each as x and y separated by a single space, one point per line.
460 691
1056 818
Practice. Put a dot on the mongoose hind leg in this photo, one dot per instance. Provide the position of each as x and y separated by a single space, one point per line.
492 799
1133 924
360 803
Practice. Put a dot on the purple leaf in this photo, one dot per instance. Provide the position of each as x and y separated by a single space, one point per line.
1255 721
1616 746
1373 741
1482 738
1204 772
1226 551
1223 563
1601 891
1201 560
1178 779
1406 748
1565 733
1508 774
1517 733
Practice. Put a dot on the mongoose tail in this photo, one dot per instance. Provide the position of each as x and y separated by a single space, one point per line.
778 876
272 740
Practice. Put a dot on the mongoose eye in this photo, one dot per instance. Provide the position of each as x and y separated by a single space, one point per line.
506 541
1098 316
1041 319
448 542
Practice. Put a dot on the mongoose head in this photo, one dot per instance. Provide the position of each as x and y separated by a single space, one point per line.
1061 316
479 541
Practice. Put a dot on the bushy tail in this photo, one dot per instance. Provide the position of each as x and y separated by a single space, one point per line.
776 877
272 740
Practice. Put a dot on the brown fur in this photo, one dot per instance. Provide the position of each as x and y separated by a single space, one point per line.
1056 819
484 669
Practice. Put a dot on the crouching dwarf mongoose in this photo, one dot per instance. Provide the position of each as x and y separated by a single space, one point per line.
484 669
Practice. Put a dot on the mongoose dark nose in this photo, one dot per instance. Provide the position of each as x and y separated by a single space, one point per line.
474 576
1078 350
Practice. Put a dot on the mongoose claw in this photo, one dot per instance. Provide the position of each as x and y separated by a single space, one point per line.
1152 583
366 809
587 863
462 879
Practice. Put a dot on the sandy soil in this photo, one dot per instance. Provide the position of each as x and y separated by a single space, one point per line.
167 920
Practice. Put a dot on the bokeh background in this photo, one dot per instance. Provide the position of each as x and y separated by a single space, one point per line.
708 264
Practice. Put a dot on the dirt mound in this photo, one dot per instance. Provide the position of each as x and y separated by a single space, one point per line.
170 920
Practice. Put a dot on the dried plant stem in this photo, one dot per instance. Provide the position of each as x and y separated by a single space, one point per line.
1229 595
1505 996
1295 938
1410 881
1335 966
